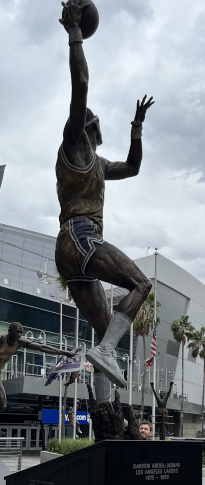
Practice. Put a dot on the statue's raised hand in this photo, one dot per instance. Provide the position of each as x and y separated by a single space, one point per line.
141 110
72 14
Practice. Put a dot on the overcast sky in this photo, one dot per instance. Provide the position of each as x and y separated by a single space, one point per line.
153 47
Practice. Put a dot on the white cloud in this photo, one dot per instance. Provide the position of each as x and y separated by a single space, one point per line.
154 47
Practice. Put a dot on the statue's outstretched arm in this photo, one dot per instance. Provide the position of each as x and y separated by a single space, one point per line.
72 14
169 392
155 394
26 344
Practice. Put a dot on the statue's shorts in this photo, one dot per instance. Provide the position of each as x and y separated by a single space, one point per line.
74 247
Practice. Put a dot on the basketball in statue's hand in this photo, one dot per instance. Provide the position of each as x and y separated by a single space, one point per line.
90 18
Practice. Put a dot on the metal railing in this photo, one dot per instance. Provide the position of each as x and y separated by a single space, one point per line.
11 453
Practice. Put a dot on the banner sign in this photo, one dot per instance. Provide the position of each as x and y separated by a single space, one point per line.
51 416
67 364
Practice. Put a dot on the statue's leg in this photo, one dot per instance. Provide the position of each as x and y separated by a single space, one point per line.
91 301
110 264
102 387
3 400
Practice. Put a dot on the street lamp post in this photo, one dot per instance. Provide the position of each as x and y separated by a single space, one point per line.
43 340
24 350
43 275
60 378
138 373
125 358
91 384
171 374
84 353
164 369
148 383
157 372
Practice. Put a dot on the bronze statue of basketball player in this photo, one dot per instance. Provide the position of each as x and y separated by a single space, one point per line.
161 410
83 258
9 345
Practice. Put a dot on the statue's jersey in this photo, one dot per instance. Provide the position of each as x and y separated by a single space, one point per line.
80 190
6 352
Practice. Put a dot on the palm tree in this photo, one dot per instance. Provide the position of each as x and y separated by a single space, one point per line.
182 330
198 348
142 325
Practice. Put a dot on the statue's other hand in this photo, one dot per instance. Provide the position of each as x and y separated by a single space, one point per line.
142 108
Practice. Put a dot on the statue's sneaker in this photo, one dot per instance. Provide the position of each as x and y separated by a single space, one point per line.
104 358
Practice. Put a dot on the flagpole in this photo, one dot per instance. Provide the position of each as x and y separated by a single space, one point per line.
91 384
76 380
60 378
154 359
111 300
130 364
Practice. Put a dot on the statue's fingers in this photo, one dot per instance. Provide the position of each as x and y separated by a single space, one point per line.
143 100
150 99
149 104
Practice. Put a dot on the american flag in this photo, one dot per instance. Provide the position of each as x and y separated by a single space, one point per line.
150 360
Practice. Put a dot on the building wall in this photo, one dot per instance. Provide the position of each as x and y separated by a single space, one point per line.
36 304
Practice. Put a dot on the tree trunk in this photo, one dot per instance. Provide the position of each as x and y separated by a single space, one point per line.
202 406
182 395
143 381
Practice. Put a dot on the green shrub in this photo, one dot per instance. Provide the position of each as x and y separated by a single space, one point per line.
69 445
53 445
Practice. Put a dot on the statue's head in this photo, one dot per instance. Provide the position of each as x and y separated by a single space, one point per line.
162 394
92 128
15 331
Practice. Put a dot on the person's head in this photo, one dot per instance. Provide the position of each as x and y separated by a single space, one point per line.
15 331
92 128
145 429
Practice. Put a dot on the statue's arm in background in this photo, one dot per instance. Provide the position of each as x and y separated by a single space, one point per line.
26 344
169 392
155 394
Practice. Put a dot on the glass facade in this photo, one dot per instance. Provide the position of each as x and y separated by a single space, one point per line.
38 313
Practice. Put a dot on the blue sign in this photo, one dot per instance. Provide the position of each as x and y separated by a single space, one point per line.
51 416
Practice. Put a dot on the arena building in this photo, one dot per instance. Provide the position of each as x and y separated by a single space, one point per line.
31 295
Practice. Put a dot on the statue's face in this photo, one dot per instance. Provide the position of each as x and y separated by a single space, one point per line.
94 134
15 331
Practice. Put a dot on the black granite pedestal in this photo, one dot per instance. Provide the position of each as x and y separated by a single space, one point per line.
120 463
